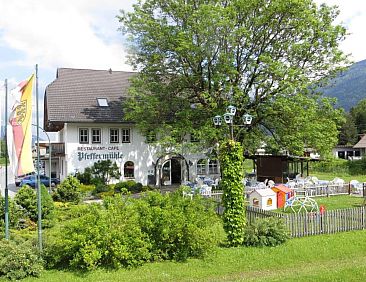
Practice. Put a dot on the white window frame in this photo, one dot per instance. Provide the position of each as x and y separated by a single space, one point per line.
110 135
82 136
213 167
201 167
95 135
102 102
127 136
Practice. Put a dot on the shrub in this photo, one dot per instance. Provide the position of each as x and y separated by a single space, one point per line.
68 190
85 177
266 232
26 198
106 236
100 186
130 185
146 188
15 214
18 260
357 166
126 232
331 166
177 227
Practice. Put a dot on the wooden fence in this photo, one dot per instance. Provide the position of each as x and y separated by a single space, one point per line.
305 224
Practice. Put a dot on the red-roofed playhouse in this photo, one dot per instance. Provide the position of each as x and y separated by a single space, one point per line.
283 194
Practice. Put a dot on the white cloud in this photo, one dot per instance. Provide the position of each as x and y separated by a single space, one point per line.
80 34
353 17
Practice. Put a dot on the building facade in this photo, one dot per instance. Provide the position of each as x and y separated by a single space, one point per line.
85 107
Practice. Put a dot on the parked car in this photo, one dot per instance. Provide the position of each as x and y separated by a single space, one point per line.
32 180
19 178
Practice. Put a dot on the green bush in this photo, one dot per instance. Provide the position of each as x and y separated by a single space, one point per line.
85 177
357 167
177 227
15 214
68 190
130 185
107 236
334 166
146 188
18 260
86 188
100 186
126 232
26 197
266 232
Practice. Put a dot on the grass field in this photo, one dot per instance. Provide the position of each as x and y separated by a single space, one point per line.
339 202
346 177
337 257
335 202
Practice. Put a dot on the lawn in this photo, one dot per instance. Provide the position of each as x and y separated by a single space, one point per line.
336 257
334 202
339 202
346 177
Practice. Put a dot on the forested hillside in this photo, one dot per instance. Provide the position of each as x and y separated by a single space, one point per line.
349 87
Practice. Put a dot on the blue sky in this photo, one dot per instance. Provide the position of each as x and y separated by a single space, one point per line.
83 34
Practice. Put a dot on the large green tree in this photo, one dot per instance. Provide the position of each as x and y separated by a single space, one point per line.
348 133
195 57
358 114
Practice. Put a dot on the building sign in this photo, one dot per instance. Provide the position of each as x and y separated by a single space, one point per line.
98 153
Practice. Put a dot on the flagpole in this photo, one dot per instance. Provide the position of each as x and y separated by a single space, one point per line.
6 164
39 205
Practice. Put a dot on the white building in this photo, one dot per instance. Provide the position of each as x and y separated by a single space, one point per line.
86 108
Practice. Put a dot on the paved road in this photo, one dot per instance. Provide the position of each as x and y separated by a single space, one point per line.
11 185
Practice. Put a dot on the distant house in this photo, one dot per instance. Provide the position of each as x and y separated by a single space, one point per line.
355 152
361 146
346 152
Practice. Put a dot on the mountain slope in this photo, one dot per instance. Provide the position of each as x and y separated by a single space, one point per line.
349 87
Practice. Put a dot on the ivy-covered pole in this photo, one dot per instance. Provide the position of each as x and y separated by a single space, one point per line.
231 162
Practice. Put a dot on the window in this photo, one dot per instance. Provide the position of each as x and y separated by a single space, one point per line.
102 102
255 202
201 166
213 167
194 138
113 135
129 169
96 135
126 137
150 137
269 202
83 136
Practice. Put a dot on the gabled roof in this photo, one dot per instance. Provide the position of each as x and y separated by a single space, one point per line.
282 188
265 192
72 96
361 143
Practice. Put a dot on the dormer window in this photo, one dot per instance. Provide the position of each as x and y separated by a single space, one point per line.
102 102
